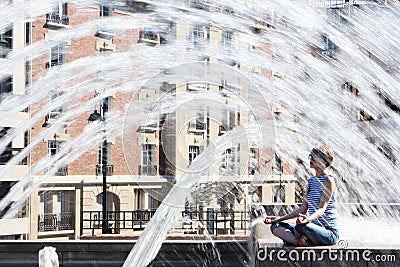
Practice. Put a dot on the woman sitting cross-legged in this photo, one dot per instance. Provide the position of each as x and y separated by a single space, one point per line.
320 227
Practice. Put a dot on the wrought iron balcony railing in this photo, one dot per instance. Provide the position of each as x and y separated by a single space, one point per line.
109 169
63 171
57 19
55 222
215 222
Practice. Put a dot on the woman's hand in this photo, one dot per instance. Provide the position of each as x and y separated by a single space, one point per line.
270 219
302 219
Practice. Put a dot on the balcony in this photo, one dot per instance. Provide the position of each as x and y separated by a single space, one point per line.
55 222
109 169
150 170
117 220
55 20
63 171
149 37
213 222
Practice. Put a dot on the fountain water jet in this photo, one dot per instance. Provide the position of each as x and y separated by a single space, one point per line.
318 105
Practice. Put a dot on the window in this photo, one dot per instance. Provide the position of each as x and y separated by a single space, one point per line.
148 33
105 11
197 35
328 47
227 37
47 199
148 166
7 153
28 70
198 32
253 164
57 55
112 202
59 109
6 41
199 123
28 33
278 193
140 199
334 15
154 203
6 84
351 88
362 115
57 211
228 162
227 121
194 151
277 168
53 147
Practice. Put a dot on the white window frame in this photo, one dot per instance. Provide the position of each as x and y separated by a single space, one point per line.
59 54
278 193
103 8
53 147
58 110
228 162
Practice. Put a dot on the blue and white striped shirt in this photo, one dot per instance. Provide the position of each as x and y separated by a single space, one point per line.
314 189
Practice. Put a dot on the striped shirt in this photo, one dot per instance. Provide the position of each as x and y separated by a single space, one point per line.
314 189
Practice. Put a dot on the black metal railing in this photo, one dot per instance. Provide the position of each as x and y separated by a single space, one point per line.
148 36
55 222
117 220
62 171
210 221
215 222
109 169
57 19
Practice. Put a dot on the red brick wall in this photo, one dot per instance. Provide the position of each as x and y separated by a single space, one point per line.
80 48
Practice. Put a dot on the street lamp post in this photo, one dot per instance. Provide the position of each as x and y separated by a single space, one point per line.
94 117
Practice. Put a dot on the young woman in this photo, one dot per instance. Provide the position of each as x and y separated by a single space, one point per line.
320 227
